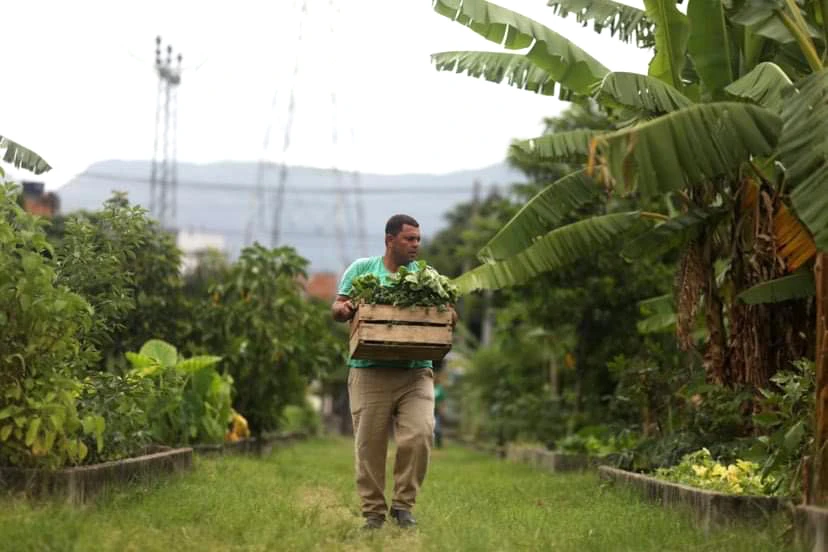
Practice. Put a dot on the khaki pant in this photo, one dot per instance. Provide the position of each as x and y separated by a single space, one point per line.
378 396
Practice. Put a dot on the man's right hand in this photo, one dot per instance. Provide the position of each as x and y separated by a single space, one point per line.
343 309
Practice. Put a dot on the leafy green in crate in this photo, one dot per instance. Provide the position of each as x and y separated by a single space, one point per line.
424 287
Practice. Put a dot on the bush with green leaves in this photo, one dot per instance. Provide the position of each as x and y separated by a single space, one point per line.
407 288
785 418
191 400
42 347
127 268
272 339
122 402
301 419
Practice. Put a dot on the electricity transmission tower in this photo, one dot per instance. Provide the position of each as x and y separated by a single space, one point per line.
164 170
345 221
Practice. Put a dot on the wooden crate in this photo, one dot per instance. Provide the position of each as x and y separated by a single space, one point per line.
385 332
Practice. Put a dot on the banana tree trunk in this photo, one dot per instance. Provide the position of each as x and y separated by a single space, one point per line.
820 493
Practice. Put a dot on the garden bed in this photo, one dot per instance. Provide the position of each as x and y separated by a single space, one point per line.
709 507
78 484
551 460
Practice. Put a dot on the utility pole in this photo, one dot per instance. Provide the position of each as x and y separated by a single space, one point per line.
164 170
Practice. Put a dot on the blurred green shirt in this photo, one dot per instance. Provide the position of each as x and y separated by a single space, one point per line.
375 266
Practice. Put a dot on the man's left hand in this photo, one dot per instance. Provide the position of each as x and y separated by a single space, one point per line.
454 316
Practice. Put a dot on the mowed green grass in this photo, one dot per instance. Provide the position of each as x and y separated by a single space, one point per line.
303 498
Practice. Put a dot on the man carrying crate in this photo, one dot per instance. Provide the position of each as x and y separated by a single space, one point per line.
382 391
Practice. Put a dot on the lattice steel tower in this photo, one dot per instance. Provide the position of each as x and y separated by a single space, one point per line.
164 171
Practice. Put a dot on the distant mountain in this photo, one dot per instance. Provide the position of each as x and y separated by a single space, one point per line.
221 198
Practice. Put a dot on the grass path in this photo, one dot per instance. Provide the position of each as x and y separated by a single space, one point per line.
303 498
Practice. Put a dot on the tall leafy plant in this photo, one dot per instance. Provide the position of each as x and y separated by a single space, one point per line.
701 129
191 400
42 347
272 339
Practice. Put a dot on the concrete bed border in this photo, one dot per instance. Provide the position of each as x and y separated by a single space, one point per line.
80 483
811 527
552 461
709 507
252 445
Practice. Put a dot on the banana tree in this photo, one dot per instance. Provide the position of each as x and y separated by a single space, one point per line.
730 125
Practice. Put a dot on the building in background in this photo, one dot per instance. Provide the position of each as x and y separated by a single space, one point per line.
322 285
37 201
194 244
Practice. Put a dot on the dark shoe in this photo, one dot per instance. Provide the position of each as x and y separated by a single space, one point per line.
403 518
372 523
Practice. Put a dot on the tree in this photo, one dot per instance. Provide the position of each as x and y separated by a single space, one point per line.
704 156
728 127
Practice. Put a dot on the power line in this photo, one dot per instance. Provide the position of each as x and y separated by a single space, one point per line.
231 186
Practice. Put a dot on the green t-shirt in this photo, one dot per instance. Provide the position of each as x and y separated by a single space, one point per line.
375 266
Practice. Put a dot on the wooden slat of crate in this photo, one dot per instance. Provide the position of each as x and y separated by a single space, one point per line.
423 315
383 332
385 351
405 333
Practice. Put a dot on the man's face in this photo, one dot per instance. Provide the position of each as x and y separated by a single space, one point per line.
404 246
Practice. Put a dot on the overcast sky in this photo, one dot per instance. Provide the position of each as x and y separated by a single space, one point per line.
79 84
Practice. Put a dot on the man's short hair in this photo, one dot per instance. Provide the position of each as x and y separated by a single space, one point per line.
395 224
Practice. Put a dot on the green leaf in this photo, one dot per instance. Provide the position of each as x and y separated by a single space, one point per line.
795 286
658 315
660 304
765 84
708 45
88 424
143 364
640 92
516 69
804 152
628 23
31 432
657 323
5 431
672 233
688 146
22 157
163 352
671 35
562 146
793 437
82 450
556 249
540 215
196 363
765 419
760 17
49 439
565 62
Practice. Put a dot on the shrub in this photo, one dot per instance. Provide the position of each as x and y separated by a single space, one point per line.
42 352
191 401
127 268
272 339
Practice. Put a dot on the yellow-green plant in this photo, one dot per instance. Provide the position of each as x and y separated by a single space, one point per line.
699 469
